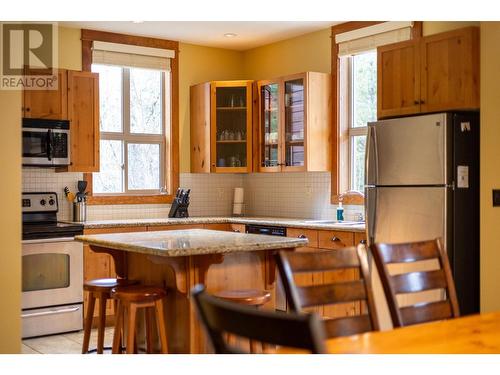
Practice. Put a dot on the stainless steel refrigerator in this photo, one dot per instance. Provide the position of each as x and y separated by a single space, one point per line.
422 182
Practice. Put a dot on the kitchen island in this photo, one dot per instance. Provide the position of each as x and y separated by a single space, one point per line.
179 259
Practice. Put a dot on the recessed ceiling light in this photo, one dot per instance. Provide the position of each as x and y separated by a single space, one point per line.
230 35
137 21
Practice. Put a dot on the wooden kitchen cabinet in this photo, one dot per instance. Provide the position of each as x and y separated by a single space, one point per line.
435 73
294 123
47 104
221 127
76 100
83 111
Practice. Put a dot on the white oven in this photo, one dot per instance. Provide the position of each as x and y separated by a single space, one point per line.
52 286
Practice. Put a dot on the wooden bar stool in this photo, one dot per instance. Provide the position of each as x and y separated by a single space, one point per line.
99 289
130 300
249 297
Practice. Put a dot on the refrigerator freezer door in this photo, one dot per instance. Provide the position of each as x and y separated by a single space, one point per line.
408 151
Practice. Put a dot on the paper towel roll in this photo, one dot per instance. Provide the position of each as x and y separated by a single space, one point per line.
238 195
238 209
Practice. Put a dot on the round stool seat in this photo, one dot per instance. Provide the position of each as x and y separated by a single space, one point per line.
103 285
252 297
139 293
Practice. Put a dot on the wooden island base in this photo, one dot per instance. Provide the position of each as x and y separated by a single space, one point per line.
238 270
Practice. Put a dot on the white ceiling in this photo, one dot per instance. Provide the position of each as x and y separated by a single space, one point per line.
250 34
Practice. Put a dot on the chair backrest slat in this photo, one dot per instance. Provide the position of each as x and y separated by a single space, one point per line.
323 261
419 281
426 312
300 297
348 326
413 282
407 252
303 331
332 293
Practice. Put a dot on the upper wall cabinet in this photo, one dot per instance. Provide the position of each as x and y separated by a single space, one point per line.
294 123
76 100
83 111
47 104
221 127
434 73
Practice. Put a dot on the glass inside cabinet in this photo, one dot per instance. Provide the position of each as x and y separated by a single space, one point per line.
294 123
231 127
269 106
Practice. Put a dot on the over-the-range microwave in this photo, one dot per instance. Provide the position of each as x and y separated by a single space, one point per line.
46 143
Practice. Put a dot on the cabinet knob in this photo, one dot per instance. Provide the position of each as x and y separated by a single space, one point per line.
27 109
422 102
302 236
335 239
362 242
416 102
236 230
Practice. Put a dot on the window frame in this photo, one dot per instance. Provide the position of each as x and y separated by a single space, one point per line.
127 137
171 135
351 130
339 133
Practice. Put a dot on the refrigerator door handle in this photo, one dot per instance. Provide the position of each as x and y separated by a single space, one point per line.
371 157
370 214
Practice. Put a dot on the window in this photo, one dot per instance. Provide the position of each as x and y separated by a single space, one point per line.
133 116
354 46
359 90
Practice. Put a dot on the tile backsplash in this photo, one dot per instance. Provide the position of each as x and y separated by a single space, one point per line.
299 194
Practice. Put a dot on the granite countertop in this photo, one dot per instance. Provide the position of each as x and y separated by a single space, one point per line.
286 222
174 243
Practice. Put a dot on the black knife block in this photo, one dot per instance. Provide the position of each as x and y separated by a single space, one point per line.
179 207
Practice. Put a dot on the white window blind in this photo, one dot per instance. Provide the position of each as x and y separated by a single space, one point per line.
369 38
131 56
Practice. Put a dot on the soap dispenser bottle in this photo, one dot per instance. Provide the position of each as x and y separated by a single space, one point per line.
340 212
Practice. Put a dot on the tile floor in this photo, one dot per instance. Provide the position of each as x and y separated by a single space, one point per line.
66 343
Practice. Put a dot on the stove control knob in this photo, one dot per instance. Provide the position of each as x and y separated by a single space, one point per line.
51 202
42 202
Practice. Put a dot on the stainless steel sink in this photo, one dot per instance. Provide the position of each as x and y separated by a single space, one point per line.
334 222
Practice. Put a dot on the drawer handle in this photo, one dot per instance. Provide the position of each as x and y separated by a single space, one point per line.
335 239
236 230
302 236
362 242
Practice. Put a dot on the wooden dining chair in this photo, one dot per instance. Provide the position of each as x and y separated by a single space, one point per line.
220 318
412 282
299 297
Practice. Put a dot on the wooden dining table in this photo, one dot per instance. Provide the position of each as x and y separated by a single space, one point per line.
474 334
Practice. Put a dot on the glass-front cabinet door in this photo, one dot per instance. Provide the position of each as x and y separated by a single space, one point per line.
231 135
270 93
294 123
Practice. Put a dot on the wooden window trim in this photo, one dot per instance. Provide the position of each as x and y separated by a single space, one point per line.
172 156
347 197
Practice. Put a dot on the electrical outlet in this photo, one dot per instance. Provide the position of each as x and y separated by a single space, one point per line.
220 194
309 190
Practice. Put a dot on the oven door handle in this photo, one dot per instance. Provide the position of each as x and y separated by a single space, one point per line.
51 312
49 240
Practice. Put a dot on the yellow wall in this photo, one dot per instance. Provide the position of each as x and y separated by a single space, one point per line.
10 222
490 160
434 27
201 64
309 52
70 48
